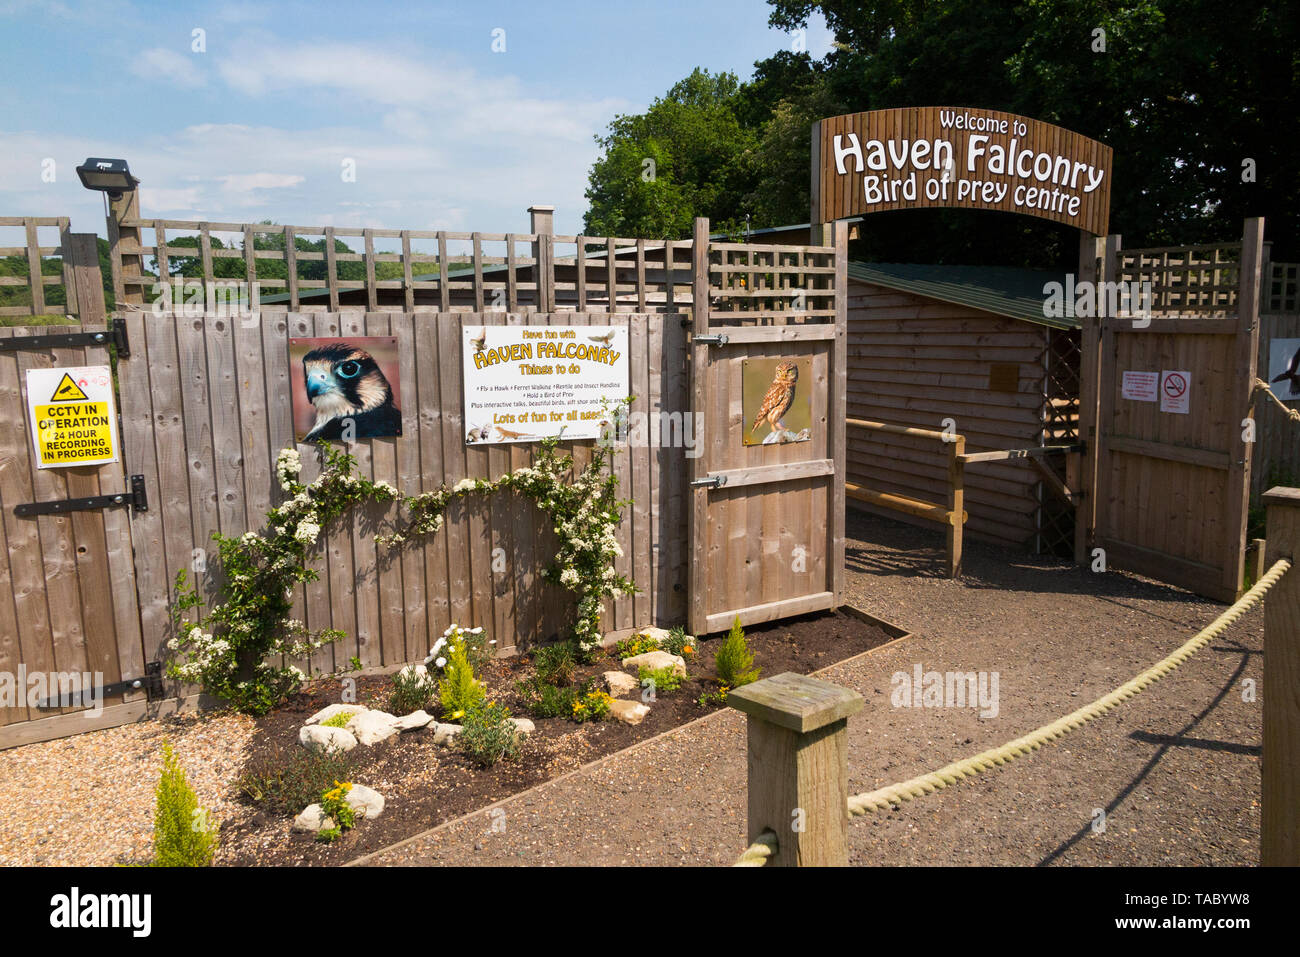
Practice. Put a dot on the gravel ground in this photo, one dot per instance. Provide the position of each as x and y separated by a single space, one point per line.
1175 771
89 799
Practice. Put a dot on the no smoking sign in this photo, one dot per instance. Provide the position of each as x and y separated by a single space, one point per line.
1175 391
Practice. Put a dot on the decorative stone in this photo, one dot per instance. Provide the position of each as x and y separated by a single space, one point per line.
312 819
372 727
654 660
445 733
324 714
620 684
629 712
414 720
523 725
658 634
367 802
322 740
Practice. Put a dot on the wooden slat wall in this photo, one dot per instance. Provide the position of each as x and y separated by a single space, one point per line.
1277 439
915 361
70 604
35 282
208 411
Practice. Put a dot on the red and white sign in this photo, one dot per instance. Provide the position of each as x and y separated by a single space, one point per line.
1175 391
1140 386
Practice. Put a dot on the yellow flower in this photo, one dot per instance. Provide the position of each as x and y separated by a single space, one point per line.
457 714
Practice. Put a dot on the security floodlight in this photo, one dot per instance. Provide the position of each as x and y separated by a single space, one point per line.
110 176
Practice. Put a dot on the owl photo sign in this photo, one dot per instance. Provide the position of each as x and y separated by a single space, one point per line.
345 388
526 383
776 400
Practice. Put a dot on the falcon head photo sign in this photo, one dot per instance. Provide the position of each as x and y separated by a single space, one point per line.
345 388
776 400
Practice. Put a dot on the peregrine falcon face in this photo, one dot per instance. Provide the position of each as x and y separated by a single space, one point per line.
343 381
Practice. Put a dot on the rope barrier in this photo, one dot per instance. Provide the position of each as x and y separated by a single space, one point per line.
1290 413
893 794
757 854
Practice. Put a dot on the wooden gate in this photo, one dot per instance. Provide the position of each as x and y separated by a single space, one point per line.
1171 450
767 521
73 607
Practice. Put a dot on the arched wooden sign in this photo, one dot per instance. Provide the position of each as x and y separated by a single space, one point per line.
922 157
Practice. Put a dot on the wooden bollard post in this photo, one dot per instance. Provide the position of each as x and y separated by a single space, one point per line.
799 766
1280 771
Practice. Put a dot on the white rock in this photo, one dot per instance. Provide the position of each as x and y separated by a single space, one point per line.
523 725
312 819
629 712
445 733
372 727
654 660
659 634
620 684
367 802
416 719
324 714
322 740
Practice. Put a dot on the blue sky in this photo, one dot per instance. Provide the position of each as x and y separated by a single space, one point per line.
444 132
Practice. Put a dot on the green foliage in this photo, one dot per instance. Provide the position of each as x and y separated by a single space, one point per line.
237 650
585 513
592 704
338 721
334 805
734 662
678 642
459 691
412 691
636 645
556 663
487 735
715 698
664 679
545 700
183 834
288 787
699 151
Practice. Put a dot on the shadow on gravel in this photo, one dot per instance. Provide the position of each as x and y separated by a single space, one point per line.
914 552
1165 742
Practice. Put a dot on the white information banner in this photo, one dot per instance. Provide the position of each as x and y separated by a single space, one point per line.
72 416
525 383
1175 391
1140 386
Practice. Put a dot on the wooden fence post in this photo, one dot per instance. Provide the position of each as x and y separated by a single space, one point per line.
956 502
81 266
124 248
541 222
697 510
1280 770
1090 253
798 766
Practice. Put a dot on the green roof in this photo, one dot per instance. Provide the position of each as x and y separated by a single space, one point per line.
1002 290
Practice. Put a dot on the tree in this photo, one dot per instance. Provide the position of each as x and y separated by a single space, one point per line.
688 155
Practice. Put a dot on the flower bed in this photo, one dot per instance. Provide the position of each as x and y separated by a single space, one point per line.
425 783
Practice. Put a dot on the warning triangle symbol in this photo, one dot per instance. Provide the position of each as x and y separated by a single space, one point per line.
68 391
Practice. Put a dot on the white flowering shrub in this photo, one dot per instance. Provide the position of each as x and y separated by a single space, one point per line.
231 650
585 514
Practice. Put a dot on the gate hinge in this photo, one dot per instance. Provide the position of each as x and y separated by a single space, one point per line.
711 340
151 684
136 498
709 481
114 335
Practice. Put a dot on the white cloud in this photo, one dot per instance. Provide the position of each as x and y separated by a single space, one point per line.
159 63
248 181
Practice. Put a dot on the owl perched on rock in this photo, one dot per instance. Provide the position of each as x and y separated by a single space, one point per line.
778 399
345 383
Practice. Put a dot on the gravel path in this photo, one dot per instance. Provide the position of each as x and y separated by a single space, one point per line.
1175 771
89 799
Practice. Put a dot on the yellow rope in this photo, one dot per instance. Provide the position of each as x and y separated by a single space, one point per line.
885 797
1290 413
756 854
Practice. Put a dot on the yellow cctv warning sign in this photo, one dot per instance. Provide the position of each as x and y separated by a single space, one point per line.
73 419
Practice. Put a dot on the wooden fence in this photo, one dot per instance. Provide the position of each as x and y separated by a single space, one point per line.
69 270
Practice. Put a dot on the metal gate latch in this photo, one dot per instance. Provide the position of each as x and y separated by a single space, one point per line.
718 340
710 481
